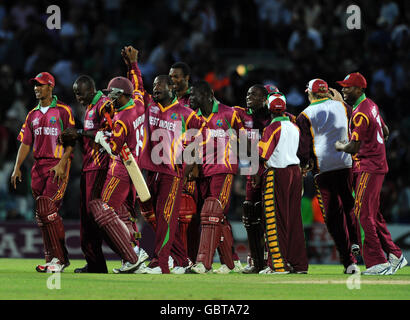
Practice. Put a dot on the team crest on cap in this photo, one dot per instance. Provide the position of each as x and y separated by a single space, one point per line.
347 77
53 120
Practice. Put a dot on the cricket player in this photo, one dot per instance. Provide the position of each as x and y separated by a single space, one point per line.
219 165
94 171
50 172
127 122
321 124
167 121
368 133
188 220
282 186
255 116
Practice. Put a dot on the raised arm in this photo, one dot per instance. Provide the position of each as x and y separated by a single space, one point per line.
130 56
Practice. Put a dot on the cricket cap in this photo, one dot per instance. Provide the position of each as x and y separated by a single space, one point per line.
276 102
119 85
353 80
43 78
317 86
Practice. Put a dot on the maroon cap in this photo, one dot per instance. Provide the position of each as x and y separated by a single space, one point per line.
43 78
354 80
317 86
120 84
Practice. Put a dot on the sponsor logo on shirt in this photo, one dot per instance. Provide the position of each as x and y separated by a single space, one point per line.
35 122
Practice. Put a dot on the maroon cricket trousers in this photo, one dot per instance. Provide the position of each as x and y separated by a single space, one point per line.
377 240
282 196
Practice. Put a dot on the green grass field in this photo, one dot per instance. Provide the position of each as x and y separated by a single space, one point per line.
19 280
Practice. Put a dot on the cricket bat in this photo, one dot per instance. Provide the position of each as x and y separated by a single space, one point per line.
133 170
135 174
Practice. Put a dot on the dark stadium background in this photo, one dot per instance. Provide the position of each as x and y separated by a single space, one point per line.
232 44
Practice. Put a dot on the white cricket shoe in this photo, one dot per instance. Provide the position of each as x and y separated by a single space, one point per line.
352 269
223 269
178 270
268 270
142 255
141 269
155 270
381 269
129 267
238 266
42 267
397 263
200 268
55 266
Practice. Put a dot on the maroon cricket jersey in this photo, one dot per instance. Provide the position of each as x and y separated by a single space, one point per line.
366 126
42 129
184 99
221 127
167 129
128 127
94 120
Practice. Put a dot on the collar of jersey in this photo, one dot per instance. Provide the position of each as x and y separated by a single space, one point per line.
173 103
97 97
317 101
280 118
129 103
215 108
52 105
359 101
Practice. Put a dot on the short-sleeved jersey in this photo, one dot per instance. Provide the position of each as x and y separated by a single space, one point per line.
366 126
41 130
166 128
94 120
321 124
222 129
279 143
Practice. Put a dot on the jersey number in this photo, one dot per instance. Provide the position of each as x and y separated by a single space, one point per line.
139 135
